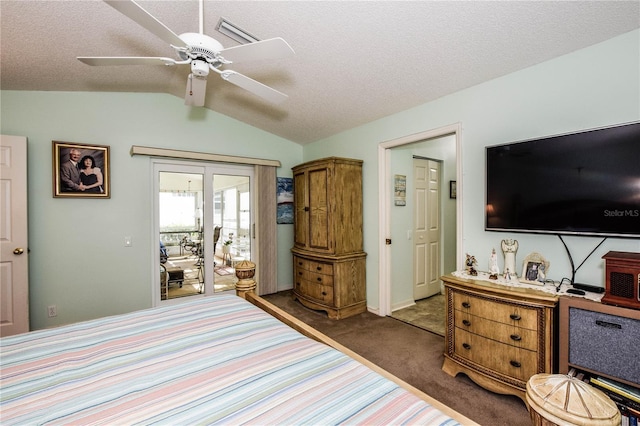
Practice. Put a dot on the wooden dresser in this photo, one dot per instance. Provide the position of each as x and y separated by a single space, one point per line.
328 257
498 335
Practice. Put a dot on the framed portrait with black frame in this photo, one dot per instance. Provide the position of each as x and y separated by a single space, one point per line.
81 170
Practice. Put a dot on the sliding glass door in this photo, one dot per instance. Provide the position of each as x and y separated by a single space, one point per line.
204 225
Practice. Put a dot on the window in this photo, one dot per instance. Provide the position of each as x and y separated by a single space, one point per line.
191 200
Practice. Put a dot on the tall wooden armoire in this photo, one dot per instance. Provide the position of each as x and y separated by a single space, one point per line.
328 258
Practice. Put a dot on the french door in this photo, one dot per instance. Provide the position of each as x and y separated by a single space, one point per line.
203 220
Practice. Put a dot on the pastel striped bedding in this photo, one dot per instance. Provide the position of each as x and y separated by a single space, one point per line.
216 360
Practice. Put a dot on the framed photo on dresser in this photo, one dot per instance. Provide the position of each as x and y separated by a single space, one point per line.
80 170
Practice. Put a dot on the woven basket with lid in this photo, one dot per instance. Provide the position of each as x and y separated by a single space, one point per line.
557 399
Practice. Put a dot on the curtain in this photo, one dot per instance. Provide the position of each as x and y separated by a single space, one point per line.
265 231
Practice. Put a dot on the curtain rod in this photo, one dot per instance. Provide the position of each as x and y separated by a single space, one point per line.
193 155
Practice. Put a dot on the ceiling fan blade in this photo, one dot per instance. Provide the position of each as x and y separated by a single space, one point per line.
196 89
135 12
272 48
126 60
254 87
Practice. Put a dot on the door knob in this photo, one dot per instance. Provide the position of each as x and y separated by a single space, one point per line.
18 250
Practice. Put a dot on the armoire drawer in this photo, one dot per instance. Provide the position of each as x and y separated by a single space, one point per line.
504 333
505 313
319 292
313 266
514 362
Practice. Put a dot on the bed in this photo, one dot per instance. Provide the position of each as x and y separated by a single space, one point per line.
214 360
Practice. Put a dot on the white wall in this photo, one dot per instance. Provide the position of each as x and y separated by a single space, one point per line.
77 257
592 87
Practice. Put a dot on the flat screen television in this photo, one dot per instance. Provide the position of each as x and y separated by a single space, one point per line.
585 183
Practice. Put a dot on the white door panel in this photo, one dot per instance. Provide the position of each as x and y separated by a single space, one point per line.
14 259
426 251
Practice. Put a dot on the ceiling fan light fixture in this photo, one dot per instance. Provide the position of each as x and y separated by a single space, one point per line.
234 32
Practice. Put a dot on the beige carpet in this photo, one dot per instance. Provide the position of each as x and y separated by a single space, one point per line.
426 313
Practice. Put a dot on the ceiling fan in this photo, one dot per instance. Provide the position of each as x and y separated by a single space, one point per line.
202 53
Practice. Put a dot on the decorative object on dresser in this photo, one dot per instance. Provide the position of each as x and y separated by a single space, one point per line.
509 249
471 264
622 279
499 336
534 269
494 270
328 257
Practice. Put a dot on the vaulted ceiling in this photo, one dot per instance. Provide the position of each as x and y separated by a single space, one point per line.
355 61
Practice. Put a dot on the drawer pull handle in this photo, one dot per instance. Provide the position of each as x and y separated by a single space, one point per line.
515 364
306 209
319 279
299 272
516 337
324 293
466 305
466 346
319 268
299 263
466 322
515 317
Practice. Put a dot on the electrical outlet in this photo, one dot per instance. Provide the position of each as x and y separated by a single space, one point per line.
52 311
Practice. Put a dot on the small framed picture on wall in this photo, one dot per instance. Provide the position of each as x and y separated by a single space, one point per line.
81 170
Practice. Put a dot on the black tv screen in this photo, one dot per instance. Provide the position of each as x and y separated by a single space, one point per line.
585 183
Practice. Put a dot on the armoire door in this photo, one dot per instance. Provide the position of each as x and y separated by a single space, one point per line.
301 209
319 209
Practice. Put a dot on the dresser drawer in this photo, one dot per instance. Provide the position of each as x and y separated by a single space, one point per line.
504 333
514 362
498 311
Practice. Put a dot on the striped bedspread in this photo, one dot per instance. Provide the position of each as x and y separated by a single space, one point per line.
217 360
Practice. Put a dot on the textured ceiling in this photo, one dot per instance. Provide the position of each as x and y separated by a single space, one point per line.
355 61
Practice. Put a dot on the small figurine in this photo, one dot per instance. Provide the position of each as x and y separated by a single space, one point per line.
494 271
509 248
507 274
471 263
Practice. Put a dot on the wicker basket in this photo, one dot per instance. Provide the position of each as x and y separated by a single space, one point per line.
557 399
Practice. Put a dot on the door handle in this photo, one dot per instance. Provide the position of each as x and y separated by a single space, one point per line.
18 250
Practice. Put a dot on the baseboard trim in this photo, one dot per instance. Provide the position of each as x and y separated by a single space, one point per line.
402 305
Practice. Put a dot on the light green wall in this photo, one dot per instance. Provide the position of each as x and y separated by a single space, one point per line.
77 256
592 87
78 260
